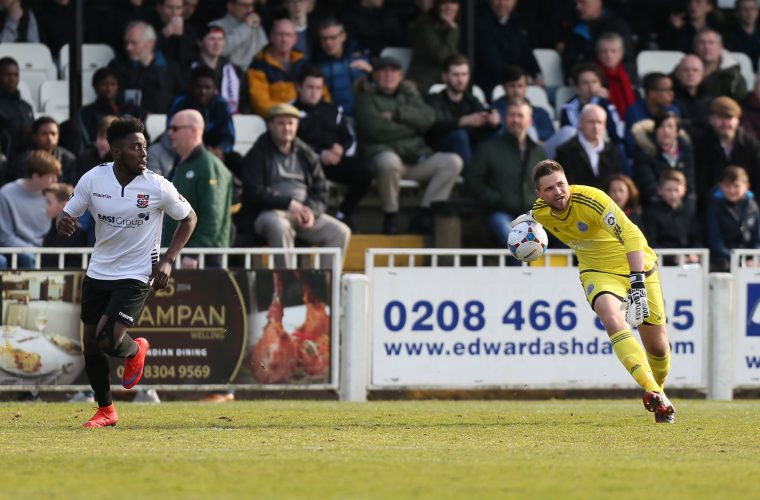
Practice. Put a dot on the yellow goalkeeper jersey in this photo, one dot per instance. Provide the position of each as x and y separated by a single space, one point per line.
597 230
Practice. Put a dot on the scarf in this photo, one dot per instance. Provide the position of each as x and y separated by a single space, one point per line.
619 85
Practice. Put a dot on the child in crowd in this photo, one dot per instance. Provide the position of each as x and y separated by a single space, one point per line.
731 219
56 196
669 220
624 192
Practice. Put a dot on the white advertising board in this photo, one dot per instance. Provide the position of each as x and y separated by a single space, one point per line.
747 339
514 327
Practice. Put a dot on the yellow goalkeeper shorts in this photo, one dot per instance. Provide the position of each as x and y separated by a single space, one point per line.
596 283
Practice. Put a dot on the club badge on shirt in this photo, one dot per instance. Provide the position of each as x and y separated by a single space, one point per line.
142 200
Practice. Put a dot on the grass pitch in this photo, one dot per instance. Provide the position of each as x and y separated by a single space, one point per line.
429 449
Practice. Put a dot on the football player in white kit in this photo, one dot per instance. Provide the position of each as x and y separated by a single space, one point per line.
127 202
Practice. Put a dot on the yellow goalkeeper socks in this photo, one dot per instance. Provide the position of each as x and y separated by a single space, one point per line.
634 358
660 367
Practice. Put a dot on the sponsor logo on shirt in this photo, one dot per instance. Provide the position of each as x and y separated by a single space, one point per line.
142 200
118 221
100 195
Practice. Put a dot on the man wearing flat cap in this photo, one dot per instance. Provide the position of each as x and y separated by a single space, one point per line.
391 121
284 190
725 144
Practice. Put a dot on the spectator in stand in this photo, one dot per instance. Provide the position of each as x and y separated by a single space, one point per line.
219 131
725 144
434 37
273 72
750 120
206 183
732 219
670 219
244 35
18 25
323 127
53 26
230 79
723 75
161 156
661 145
99 152
16 117
692 97
56 197
589 158
500 42
108 101
299 12
593 20
744 35
45 135
625 194
373 26
342 61
500 176
684 25
189 7
391 121
23 219
285 195
620 82
461 120
658 98
148 79
515 84
587 80
176 40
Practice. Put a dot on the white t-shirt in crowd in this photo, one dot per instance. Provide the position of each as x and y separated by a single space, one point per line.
128 220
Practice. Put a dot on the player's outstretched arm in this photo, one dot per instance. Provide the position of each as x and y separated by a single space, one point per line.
160 274
66 224
528 217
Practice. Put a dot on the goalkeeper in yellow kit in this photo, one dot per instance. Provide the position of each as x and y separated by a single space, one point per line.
619 274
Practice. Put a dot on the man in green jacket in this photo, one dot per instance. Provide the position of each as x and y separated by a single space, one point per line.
500 175
206 182
391 121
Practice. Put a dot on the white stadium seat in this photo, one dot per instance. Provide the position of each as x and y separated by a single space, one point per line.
60 115
563 95
35 65
664 61
94 56
26 94
497 93
155 124
551 66
248 128
745 63
537 97
57 91
403 54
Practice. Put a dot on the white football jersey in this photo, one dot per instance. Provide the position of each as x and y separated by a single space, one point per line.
128 220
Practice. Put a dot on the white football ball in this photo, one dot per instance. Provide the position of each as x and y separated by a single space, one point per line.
527 241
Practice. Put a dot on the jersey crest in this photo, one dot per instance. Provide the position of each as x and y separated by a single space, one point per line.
142 200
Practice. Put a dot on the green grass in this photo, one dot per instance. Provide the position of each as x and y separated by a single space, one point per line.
430 449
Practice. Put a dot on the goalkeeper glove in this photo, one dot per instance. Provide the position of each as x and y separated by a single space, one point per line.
524 218
635 305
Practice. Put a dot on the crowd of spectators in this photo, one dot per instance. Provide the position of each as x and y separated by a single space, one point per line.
677 149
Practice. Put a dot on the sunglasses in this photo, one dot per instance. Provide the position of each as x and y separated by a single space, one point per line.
174 128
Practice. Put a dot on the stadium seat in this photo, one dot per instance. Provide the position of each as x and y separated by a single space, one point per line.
745 63
94 56
59 115
664 61
436 87
26 95
248 128
537 97
403 54
563 95
35 65
551 66
497 93
54 94
155 124
478 92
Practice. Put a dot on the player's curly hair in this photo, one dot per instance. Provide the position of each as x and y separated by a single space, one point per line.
122 127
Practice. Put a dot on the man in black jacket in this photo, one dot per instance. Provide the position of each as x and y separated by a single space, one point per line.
284 191
725 144
588 158
16 117
324 128
461 120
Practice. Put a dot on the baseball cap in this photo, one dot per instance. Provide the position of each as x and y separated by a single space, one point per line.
283 109
386 62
